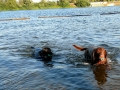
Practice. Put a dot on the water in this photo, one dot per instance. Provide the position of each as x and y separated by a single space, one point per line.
20 71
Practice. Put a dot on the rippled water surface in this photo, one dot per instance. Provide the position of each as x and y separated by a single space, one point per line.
59 29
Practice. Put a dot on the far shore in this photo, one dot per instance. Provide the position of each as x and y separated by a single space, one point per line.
72 5
112 3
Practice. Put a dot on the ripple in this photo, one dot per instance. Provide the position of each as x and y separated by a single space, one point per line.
19 70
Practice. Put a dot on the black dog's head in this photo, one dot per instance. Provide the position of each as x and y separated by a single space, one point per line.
46 54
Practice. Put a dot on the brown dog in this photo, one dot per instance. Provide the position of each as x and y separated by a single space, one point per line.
96 56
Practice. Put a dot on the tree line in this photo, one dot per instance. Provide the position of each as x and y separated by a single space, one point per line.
30 5
102 0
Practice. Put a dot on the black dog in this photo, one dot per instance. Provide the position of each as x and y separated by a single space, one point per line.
44 54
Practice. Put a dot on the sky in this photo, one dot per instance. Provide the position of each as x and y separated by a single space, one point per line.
36 0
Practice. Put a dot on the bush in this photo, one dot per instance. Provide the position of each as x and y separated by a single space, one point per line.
10 5
50 4
82 3
63 3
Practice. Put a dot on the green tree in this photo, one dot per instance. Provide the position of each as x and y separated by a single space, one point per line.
20 4
1 4
82 3
10 4
41 4
63 3
27 4
72 1
50 4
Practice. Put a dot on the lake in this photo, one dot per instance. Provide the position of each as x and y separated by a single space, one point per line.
59 29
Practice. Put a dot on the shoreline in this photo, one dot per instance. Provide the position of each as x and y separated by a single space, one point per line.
111 3
72 5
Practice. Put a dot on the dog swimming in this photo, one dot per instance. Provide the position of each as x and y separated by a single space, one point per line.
43 54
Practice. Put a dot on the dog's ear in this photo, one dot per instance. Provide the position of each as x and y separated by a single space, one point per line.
105 54
79 48
93 55
94 58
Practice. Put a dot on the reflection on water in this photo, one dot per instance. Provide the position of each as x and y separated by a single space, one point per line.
68 70
100 73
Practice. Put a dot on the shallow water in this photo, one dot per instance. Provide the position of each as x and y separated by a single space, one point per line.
20 71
